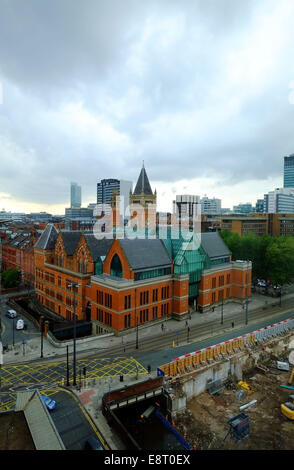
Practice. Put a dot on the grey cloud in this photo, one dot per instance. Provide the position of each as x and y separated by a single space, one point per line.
152 81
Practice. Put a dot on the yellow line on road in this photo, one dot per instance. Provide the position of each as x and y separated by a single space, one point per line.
89 419
3 328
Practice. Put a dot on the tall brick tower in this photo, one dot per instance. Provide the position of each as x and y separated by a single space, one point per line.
144 197
143 193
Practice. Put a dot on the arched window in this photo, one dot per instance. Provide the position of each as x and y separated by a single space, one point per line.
98 266
80 265
116 267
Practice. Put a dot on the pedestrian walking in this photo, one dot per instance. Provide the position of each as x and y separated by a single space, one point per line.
233 324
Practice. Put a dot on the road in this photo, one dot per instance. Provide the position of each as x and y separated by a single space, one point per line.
72 421
157 350
125 359
41 375
9 333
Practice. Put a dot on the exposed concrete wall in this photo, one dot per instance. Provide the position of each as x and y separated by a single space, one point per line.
87 340
42 428
194 383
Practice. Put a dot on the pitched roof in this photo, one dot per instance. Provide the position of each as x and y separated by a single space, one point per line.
97 247
48 238
70 240
213 245
145 253
143 184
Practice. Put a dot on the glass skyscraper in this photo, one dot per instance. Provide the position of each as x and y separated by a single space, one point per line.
289 171
75 195
107 187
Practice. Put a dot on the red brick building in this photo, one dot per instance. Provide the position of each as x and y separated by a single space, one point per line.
18 253
137 285
121 283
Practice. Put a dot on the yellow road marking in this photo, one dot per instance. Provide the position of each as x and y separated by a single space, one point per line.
28 374
3 328
93 426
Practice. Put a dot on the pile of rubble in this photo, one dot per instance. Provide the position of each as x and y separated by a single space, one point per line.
205 420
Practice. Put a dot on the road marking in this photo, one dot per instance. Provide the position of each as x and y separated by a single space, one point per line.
3 327
28 374
89 419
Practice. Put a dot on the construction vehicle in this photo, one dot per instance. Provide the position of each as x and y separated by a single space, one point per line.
245 386
287 408
291 376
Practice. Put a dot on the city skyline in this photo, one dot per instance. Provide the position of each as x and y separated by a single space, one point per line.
204 97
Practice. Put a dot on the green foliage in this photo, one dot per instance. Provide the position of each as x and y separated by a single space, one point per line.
10 278
272 257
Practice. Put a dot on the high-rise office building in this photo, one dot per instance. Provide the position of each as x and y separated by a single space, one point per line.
259 205
210 206
281 201
83 215
107 187
243 208
289 171
75 195
186 206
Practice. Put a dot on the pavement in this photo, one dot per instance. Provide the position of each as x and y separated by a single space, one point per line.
31 350
90 392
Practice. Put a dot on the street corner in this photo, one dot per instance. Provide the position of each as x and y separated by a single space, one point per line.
86 396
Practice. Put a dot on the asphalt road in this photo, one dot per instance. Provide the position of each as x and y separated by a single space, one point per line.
7 328
72 421
163 356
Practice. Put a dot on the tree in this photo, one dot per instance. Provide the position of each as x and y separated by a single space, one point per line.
272 257
11 278
280 259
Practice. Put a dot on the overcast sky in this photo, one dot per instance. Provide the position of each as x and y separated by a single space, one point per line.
201 90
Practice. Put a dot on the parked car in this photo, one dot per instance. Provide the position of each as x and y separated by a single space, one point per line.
50 404
19 324
93 444
11 314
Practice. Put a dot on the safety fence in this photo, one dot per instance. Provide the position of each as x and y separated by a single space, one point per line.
177 435
203 357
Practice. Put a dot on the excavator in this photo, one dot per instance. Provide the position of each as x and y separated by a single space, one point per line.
287 408
245 386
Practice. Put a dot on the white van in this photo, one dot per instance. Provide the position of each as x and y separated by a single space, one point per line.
19 324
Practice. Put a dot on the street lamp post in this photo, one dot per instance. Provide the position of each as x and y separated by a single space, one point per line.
74 285
137 334
188 331
13 332
42 331
222 311
246 310
67 367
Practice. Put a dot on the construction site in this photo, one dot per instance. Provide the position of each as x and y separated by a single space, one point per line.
236 395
